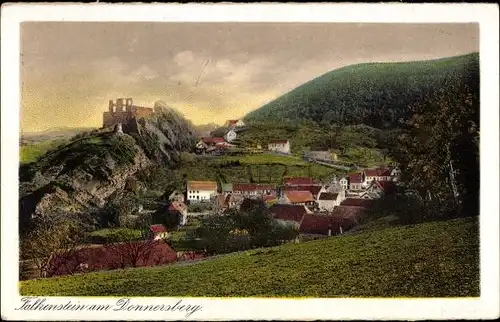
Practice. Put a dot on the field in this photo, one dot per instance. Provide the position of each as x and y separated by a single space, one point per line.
258 168
437 259
31 152
265 158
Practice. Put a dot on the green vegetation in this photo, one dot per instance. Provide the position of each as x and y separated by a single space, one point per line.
263 158
107 235
436 259
376 94
31 152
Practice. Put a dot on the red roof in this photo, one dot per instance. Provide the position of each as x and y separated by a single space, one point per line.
355 178
328 196
356 202
212 140
279 142
177 206
378 172
352 213
322 224
288 212
159 228
299 196
298 181
253 187
386 186
108 257
313 189
232 122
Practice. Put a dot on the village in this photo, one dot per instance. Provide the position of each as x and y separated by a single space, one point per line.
314 208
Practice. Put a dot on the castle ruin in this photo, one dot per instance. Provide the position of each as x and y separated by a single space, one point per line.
122 111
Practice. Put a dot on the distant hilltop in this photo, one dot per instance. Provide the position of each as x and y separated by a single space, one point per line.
124 110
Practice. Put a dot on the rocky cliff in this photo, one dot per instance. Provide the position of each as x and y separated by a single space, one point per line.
83 174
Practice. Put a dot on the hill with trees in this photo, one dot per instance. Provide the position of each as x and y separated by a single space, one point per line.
375 94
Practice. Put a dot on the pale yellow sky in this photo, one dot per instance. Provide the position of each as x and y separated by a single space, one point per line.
71 69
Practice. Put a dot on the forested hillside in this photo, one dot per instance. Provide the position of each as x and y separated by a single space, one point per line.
375 94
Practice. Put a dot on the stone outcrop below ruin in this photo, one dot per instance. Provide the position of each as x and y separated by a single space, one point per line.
83 174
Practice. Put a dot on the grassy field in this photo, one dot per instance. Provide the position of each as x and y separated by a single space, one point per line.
102 236
439 259
31 152
265 158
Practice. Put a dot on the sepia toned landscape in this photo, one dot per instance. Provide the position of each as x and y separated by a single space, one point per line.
249 159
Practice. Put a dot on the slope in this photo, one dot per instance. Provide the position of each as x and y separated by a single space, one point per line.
376 94
425 260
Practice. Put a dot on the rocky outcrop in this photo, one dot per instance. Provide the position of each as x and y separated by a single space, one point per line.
83 174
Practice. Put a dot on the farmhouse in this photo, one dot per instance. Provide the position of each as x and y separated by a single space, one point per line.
281 146
253 189
298 198
378 174
179 208
235 123
344 183
328 200
107 257
288 214
230 136
201 190
356 181
315 225
315 190
157 232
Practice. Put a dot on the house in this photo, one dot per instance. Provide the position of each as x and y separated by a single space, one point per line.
201 190
288 214
230 136
328 200
315 190
179 208
353 214
281 146
378 174
379 189
107 257
356 181
344 183
157 232
211 141
299 198
316 225
253 189
176 196
235 123
298 181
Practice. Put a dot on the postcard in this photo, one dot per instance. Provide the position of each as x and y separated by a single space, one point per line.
249 162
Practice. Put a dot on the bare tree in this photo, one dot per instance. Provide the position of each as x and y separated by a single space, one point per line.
130 249
50 235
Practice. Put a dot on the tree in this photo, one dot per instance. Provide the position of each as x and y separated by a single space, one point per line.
57 234
439 151
130 249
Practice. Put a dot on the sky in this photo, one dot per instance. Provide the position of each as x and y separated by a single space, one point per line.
211 72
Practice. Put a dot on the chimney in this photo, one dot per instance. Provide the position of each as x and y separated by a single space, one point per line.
111 105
